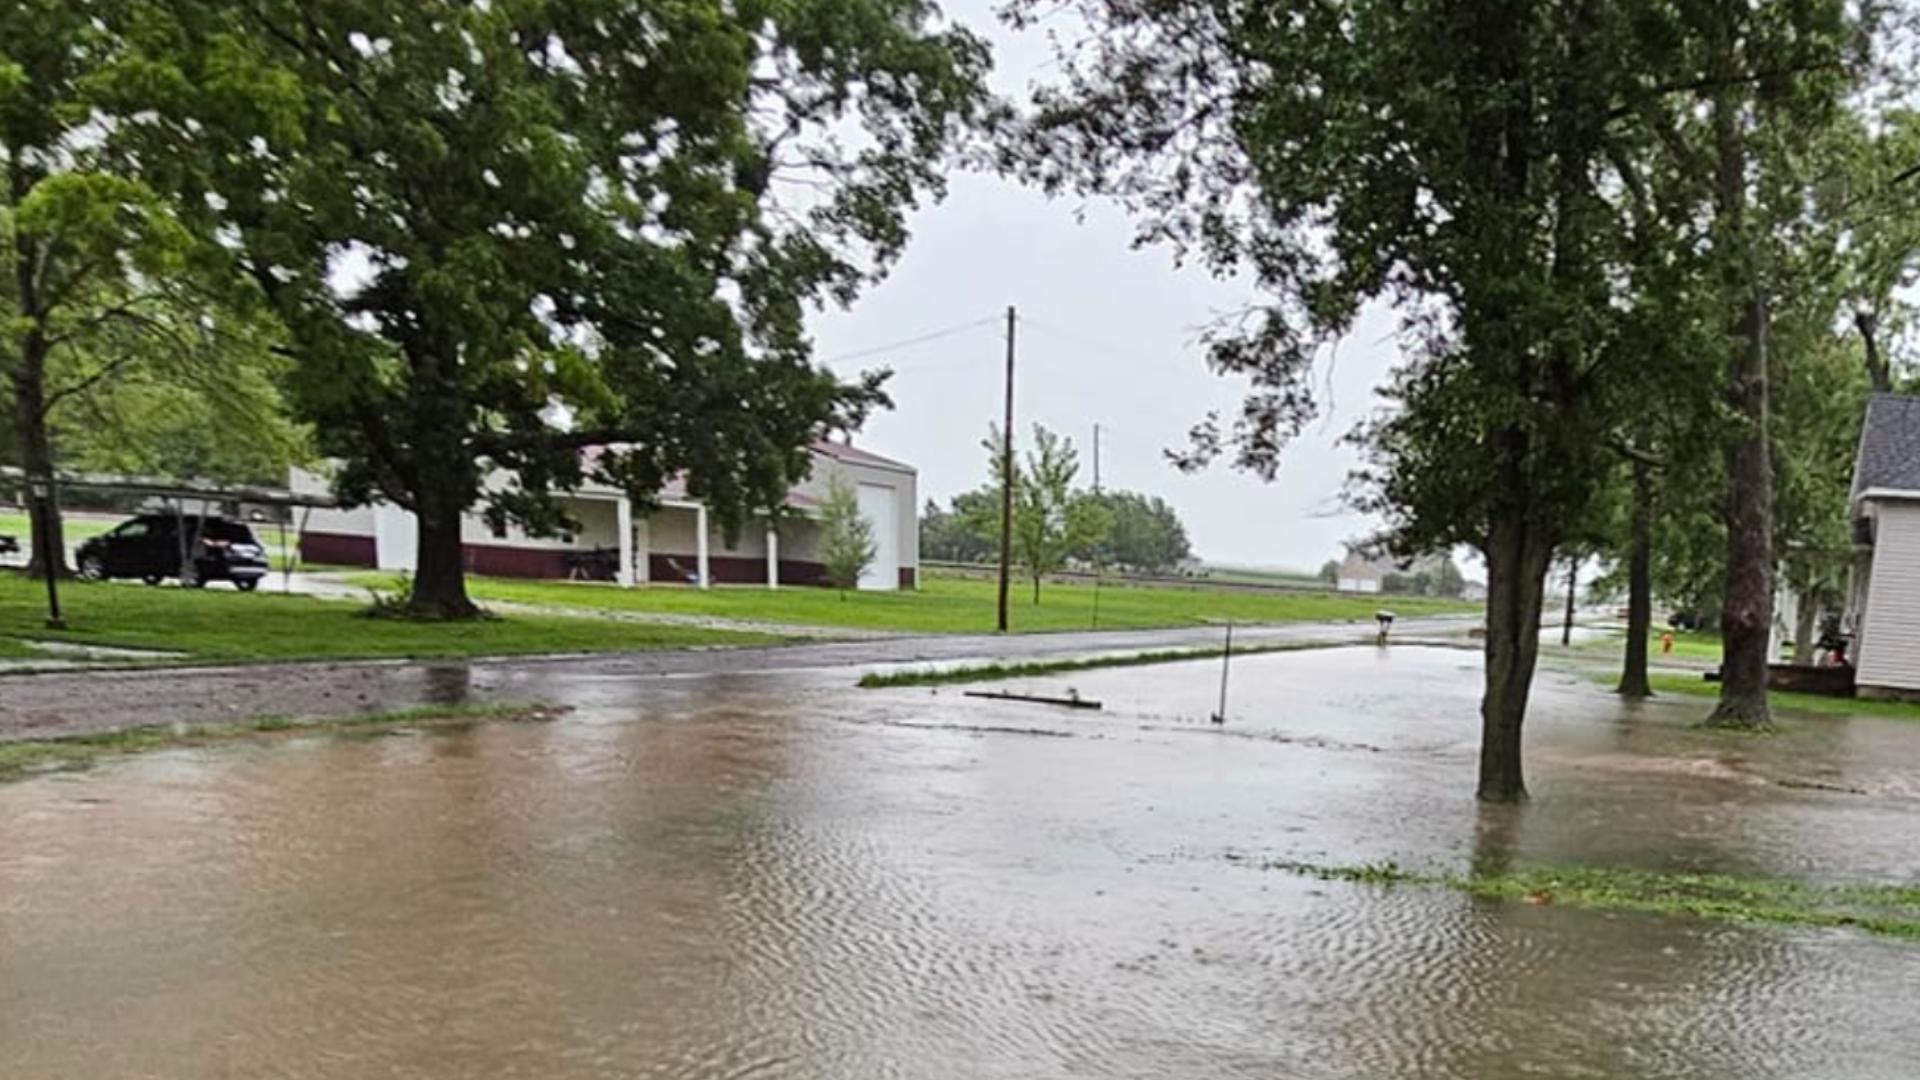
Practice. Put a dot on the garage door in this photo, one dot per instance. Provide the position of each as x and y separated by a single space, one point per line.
880 507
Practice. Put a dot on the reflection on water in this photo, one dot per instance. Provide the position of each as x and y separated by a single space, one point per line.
447 684
775 877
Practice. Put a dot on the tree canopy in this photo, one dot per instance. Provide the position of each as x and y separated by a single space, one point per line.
500 234
1476 165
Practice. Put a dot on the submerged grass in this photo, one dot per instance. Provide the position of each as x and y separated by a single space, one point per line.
34 756
1027 669
1888 910
1695 686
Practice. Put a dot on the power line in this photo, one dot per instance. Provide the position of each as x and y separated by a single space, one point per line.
922 339
1077 338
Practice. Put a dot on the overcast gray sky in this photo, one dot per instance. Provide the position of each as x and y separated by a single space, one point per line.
1109 335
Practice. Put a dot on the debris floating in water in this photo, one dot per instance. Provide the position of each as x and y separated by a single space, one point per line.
1073 700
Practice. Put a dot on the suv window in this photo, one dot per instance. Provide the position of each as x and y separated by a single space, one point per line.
132 530
233 531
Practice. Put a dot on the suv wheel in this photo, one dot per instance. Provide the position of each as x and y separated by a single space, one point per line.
246 584
152 579
92 568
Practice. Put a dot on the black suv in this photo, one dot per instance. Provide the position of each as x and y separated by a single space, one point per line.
148 547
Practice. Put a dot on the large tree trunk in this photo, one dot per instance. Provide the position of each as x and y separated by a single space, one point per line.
1746 623
440 470
1633 668
36 454
439 576
1517 560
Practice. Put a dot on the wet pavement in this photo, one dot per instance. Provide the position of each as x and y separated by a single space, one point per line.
69 703
755 872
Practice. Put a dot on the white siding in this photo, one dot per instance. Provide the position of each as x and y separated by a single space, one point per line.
357 521
1890 637
878 505
905 500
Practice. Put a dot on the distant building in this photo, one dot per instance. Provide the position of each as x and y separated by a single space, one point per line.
1360 574
676 543
1883 606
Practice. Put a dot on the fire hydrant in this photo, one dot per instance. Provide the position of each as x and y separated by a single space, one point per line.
1666 643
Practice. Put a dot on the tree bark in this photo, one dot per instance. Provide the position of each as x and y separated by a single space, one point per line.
1633 667
439 577
30 383
1746 621
1518 556
438 467
1877 371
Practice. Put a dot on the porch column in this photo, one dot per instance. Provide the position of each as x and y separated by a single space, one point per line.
700 542
773 557
623 521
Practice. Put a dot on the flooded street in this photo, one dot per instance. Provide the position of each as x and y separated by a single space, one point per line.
775 875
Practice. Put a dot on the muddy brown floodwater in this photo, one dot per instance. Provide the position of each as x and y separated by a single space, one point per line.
778 876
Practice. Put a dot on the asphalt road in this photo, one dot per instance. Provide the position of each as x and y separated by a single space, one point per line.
71 703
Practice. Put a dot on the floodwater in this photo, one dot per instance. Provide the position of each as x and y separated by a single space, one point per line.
778 876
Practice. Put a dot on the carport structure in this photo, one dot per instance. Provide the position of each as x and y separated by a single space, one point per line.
177 495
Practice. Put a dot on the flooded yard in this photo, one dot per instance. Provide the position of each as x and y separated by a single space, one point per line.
776 875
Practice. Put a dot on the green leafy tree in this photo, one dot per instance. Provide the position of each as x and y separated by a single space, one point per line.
1143 534
1441 156
1330 572
204 402
954 535
847 546
96 264
1051 519
1460 160
500 234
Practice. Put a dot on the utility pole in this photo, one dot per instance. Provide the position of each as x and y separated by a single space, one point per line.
1099 561
1006 481
1096 457
46 494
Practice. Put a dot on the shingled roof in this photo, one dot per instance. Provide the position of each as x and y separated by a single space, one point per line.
1889 457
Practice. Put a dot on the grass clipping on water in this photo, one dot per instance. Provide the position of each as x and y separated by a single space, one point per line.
1028 669
1889 910
34 756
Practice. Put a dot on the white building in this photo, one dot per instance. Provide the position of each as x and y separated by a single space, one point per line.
1884 605
1359 574
677 542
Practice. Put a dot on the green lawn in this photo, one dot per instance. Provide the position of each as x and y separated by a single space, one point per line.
1697 644
950 605
220 623
1687 644
1674 683
14 523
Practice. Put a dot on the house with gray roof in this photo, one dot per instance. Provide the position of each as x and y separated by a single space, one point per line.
1884 605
